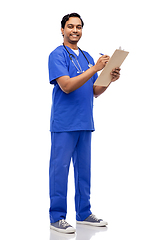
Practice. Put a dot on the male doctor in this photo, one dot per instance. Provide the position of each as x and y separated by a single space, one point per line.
73 73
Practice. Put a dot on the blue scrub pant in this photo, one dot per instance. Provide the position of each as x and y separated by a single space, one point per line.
64 146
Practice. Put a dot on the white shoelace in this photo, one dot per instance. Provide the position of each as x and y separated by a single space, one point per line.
94 217
63 223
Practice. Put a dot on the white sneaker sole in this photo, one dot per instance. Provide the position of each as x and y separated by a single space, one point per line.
68 230
101 224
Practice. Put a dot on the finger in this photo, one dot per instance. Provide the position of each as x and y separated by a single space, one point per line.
115 73
105 57
119 69
114 79
116 70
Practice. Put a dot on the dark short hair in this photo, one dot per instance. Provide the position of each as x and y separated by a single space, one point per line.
66 18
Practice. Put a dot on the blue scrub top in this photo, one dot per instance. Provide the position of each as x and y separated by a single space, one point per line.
73 111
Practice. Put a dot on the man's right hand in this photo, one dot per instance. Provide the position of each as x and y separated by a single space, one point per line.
101 63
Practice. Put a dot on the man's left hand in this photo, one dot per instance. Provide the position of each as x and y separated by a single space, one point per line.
115 74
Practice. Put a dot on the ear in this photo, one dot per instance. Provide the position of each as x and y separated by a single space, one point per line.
62 31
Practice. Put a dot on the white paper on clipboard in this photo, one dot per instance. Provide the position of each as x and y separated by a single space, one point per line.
115 61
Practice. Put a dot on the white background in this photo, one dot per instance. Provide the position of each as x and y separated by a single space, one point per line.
125 145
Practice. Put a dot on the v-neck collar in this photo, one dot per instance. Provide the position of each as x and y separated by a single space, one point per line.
72 52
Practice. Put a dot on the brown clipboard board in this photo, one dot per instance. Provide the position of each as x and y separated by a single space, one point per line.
115 61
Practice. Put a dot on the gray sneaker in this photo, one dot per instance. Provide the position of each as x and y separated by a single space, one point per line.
62 226
93 221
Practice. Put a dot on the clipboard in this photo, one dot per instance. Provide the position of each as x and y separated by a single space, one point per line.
115 61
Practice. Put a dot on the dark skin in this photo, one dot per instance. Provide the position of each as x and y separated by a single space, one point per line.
72 33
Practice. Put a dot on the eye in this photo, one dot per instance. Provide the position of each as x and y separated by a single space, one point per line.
70 26
79 27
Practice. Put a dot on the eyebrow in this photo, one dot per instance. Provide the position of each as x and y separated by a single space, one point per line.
70 24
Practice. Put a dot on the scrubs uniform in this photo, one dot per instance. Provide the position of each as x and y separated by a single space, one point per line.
71 124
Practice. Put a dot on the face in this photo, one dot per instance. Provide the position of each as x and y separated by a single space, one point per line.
72 31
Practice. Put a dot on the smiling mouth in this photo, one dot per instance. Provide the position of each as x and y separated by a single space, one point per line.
74 35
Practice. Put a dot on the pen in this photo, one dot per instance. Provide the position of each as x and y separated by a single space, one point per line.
101 54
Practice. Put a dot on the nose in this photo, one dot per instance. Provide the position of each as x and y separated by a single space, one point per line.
74 29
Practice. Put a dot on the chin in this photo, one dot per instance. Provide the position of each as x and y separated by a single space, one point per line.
74 41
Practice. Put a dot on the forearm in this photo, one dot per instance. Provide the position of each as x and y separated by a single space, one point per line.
98 90
69 85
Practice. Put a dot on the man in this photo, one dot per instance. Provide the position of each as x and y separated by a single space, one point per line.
73 73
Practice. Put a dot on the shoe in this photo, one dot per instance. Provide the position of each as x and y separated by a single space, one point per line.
93 221
62 226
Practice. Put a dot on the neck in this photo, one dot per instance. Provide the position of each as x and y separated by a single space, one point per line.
71 45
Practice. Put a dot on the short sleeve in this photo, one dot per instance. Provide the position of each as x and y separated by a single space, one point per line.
57 66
